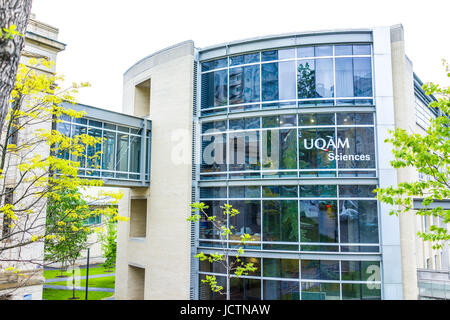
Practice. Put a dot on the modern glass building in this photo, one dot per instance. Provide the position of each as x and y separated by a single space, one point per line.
289 130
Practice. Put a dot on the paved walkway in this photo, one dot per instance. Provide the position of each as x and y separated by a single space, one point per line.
80 277
62 287
49 286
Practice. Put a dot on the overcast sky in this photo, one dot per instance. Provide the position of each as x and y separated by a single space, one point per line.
105 37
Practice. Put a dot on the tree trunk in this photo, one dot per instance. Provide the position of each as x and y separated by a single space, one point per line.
12 12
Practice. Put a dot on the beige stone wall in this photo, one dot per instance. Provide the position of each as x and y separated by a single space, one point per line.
164 253
403 82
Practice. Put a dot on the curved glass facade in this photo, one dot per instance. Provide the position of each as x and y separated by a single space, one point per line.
288 138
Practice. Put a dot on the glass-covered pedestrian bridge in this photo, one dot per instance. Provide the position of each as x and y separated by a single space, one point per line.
125 148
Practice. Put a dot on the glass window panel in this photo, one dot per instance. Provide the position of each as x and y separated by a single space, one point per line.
214 126
316 148
362 77
288 120
358 221
355 147
280 220
279 149
305 52
214 153
288 191
213 192
247 221
318 191
344 77
80 120
76 131
109 126
93 152
306 79
207 229
244 84
281 290
109 150
245 192
122 152
324 78
245 289
269 55
271 122
354 118
205 292
318 221
357 191
370 271
244 151
214 89
252 123
281 268
313 119
244 59
286 53
343 50
215 267
237 124
320 51
320 291
360 49
320 269
135 154
357 291
214 64
94 123
278 81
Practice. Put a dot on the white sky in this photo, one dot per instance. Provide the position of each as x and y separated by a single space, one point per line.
105 37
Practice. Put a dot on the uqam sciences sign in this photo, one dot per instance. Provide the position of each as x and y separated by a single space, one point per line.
331 145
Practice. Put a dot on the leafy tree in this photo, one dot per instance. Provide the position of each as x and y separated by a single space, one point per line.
38 163
109 244
429 154
67 216
235 266
13 21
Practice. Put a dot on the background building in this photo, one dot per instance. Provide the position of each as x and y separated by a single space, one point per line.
41 41
290 130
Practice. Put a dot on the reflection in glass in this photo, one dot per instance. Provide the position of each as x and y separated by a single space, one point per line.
318 221
245 289
214 89
244 84
278 81
357 147
247 221
281 268
279 149
281 290
320 269
207 230
315 145
280 220
320 291
205 292
109 145
358 221
356 291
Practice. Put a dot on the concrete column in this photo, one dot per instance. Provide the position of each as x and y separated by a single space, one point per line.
389 225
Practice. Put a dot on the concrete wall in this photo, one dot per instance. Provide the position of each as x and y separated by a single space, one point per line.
164 253
402 74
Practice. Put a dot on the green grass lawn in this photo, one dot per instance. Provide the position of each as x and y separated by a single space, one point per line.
105 282
54 294
51 274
